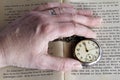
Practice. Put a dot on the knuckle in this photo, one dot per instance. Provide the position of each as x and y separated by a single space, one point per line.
47 28
64 65
74 16
92 21
61 66
39 62
89 21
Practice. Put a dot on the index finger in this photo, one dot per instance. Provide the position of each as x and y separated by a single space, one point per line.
50 5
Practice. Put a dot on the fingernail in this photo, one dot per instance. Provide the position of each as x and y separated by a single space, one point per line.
93 35
77 65
99 20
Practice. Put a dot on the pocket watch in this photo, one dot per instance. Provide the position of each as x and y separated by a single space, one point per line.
87 51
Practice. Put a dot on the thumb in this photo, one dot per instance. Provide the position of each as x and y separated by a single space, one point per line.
47 61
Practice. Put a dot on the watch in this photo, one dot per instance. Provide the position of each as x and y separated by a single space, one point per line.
87 51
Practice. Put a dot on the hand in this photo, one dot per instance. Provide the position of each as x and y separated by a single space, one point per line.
24 43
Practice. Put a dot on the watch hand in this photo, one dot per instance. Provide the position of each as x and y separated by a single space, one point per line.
85 47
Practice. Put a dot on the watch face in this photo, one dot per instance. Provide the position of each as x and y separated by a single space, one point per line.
87 51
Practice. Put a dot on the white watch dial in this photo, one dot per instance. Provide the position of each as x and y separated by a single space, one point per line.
87 51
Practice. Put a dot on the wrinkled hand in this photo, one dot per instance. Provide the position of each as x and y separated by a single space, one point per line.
24 43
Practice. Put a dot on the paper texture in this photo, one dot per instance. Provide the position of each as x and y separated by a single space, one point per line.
15 73
108 68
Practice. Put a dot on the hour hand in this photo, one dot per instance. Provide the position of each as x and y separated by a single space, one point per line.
85 46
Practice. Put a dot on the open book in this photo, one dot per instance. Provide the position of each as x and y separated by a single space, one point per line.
108 68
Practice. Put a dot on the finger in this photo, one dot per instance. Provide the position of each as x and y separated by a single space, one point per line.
65 9
80 19
60 11
55 63
51 5
85 12
69 29
68 10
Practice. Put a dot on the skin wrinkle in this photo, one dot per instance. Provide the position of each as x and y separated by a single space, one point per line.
37 61
21 19
64 65
65 27
47 28
20 59
7 50
18 41
2 55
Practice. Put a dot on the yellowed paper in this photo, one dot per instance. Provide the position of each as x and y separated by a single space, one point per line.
15 73
109 38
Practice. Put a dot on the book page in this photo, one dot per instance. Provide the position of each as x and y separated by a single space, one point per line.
15 73
9 11
108 35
